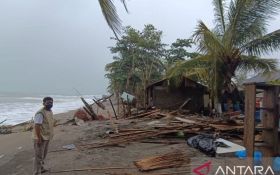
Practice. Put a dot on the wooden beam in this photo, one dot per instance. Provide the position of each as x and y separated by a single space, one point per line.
113 108
249 123
270 119
276 123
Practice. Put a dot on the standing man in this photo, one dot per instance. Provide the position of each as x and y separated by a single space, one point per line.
42 134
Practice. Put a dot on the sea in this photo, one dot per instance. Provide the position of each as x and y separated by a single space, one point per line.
19 108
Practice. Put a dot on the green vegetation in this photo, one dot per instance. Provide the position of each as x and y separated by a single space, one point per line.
225 54
236 44
138 60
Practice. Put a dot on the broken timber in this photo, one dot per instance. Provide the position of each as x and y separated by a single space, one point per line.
88 109
169 160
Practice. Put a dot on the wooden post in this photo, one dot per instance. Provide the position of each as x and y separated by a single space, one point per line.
271 120
249 123
118 97
128 106
89 109
113 108
276 124
123 107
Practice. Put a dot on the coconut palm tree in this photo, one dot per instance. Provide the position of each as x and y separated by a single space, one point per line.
110 13
238 42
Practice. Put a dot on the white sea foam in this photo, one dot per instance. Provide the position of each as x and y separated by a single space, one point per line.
17 109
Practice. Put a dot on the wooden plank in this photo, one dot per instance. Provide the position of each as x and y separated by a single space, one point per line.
188 121
185 120
145 114
168 160
89 109
88 112
99 104
249 123
270 119
184 104
113 108
276 123
167 142
267 119
226 127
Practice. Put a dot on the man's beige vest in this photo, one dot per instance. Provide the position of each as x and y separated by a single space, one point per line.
47 125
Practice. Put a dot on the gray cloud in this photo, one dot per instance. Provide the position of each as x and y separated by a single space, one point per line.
51 46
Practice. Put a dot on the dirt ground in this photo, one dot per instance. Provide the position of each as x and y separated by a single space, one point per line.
17 149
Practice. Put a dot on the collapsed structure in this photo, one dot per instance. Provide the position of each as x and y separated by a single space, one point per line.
163 95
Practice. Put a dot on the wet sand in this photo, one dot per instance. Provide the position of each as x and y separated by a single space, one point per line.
17 149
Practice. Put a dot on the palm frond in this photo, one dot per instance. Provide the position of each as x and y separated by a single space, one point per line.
243 14
219 11
250 32
124 4
264 44
189 68
177 72
207 40
249 63
110 13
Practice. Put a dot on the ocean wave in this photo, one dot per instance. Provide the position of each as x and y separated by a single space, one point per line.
61 97
31 98
21 109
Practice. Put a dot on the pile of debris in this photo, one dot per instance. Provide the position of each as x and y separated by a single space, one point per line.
87 113
5 130
157 125
162 127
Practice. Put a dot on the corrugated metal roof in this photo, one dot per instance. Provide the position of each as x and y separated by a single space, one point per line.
264 78
165 79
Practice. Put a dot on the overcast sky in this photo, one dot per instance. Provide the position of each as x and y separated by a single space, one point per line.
53 46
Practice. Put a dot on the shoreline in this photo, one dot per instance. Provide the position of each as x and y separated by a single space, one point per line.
27 125
57 114
17 109
29 121
60 117
16 150
20 139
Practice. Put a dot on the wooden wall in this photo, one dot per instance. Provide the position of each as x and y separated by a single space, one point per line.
168 98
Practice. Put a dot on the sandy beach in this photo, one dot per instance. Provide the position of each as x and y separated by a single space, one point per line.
139 87
16 150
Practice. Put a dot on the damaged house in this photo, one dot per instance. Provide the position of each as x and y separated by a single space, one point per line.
165 95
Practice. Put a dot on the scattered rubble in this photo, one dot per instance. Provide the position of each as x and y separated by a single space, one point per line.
5 129
156 124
